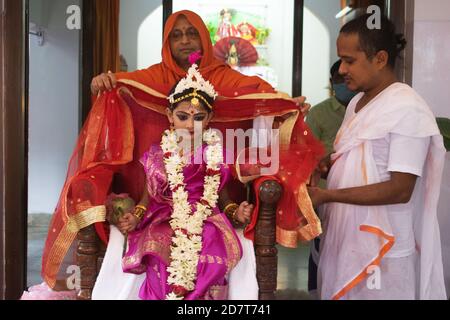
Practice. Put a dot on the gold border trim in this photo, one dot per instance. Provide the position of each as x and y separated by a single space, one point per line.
142 87
66 237
277 95
86 218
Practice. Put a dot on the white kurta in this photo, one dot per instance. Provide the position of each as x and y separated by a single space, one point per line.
357 238
114 284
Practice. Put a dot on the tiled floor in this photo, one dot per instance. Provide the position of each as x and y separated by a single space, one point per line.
37 233
292 263
292 279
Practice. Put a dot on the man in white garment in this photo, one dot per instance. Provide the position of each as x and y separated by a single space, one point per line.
381 235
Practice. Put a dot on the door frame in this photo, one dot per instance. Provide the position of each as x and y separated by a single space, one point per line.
13 147
401 12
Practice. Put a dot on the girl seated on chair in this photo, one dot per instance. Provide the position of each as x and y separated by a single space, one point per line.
180 234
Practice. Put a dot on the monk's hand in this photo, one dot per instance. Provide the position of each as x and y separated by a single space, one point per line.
103 82
302 105
244 212
317 195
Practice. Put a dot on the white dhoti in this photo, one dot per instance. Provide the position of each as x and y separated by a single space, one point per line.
364 252
394 280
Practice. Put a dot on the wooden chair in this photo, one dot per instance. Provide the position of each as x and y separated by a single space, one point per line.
91 250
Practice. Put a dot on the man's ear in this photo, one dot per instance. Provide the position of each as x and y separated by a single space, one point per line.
382 59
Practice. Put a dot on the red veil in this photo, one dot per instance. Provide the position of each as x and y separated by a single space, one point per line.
123 124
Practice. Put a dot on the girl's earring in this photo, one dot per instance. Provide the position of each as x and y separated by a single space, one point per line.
172 126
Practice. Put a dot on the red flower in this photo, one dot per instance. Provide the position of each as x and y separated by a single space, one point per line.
211 172
180 291
178 186
184 231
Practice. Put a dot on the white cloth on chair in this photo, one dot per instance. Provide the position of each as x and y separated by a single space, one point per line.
114 284
242 281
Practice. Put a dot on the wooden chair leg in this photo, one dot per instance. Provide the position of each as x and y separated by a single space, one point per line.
100 256
265 240
87 261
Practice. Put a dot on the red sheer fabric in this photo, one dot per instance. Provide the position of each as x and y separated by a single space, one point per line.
298 156
120 127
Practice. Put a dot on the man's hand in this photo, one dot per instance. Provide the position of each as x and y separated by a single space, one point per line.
317 195
127 223
103 82
303 106
321 171
244 212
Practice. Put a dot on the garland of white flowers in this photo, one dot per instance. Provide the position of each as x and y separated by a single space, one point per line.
188 226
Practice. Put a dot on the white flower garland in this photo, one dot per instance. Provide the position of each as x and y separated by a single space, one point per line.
188 226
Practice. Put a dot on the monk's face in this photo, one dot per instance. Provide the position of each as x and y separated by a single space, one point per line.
360 72
184 39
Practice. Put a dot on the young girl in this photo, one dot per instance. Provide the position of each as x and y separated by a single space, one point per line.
179 234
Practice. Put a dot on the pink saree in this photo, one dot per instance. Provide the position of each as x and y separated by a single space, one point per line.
149 244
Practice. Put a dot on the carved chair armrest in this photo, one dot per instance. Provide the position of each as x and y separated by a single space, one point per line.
265 239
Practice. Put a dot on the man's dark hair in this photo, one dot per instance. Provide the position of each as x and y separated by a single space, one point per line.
335 68
375 40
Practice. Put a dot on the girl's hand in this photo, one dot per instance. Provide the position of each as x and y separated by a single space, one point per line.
244 212
127 223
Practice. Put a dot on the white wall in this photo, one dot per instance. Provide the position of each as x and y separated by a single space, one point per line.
316 57
53 106
150 39
431 78
141 47
320 32
325 11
